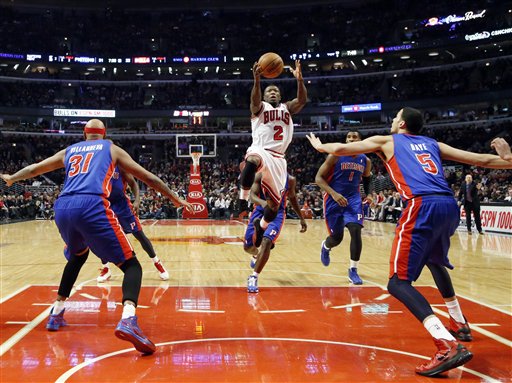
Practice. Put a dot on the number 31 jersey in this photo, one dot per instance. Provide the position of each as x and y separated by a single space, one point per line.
89 168
416 168
272 128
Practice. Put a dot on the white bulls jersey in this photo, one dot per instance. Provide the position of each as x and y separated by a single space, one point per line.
272 128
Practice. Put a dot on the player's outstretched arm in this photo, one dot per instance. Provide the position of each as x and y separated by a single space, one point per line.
51 163
367 177
256 89
321 180
484 160
134 187
128 165
502 148
296 105
369 145
292 196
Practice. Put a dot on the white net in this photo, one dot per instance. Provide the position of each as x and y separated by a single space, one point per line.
196 156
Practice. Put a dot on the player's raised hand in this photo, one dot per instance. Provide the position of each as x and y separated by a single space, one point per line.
340 200
303 226
314 141
256 71
297 72
7 179
502 148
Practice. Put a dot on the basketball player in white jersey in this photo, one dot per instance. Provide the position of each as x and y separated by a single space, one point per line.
272 132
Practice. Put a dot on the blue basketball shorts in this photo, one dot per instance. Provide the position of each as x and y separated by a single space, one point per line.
423 235
124 212
87 221
337 217
272 231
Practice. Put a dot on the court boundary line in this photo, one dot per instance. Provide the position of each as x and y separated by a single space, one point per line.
482 331
25 330
63 378
19 291
485 304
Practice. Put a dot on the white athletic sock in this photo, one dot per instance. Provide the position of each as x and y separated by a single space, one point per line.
255 274
58 306
105 265
455 311
353 264
263 224
244 194
128 311
155 260
436 329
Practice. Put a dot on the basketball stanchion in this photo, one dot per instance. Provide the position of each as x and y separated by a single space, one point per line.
195 194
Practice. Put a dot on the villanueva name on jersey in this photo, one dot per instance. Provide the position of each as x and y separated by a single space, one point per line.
352 166
88 148
276 115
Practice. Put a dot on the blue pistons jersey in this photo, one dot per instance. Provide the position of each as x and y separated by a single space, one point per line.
89 168
345 178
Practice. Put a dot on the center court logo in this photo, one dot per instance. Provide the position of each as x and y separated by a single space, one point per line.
195 182
198 207
195 194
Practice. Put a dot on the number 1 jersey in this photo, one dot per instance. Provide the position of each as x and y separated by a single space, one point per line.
272 128
416 167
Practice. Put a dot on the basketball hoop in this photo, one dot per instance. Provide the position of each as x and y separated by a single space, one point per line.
196 156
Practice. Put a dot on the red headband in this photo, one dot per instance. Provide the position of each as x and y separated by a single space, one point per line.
90 130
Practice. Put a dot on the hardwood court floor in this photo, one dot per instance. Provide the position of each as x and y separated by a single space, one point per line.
307 323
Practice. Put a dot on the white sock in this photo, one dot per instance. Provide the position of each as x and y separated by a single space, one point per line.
128 311
255 274
155 260
244 194
105 265
58 306
263 224
353 264
455 311
436 329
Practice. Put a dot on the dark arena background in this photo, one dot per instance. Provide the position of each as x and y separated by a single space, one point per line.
172 83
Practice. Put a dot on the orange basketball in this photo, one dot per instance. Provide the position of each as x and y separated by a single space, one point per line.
271 64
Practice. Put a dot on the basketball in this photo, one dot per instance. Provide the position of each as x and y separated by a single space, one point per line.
271 64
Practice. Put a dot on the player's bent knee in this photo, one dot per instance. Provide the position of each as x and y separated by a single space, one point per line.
255 160
395 285
251 250
79 258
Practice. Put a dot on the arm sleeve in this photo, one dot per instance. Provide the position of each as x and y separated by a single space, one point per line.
366 185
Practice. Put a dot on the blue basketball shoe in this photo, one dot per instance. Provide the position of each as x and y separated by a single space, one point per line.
128 329
325 255
354 277
252 284
55 321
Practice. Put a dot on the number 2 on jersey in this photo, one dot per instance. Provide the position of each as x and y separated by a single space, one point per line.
426 163
278 133
76 164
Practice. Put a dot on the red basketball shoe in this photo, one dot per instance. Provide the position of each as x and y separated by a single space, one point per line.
460 331
450 354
